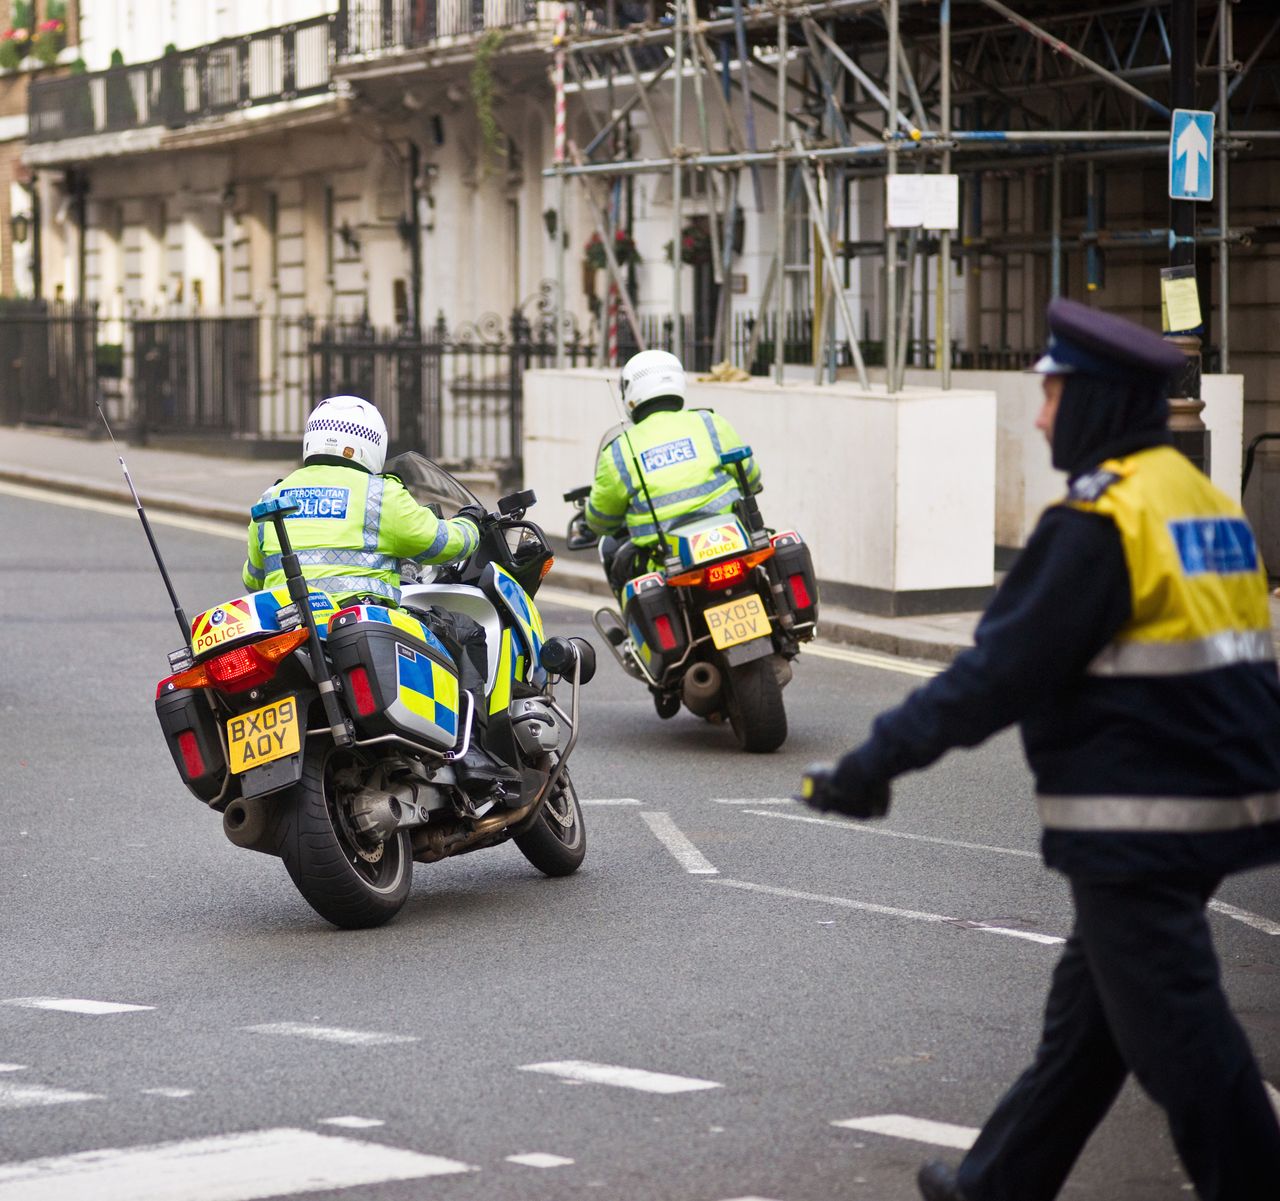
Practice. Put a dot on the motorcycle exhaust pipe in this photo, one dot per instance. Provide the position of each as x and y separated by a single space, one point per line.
244 822
701 689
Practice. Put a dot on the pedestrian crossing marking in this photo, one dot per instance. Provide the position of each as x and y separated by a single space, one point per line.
539 1159
919 1130
581 1072
232 1167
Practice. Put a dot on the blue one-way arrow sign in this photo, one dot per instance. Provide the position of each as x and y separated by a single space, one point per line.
1190 155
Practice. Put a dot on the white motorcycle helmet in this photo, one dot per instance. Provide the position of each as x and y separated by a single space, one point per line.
346 427
652 375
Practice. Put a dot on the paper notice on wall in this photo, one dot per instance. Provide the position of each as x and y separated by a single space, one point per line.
1179 300
923 201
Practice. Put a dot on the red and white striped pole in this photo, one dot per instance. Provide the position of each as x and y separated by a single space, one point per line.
557 80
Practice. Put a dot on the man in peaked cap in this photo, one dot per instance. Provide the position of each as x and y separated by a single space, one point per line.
1132 643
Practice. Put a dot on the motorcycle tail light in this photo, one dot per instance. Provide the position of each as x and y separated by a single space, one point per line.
666 635
361 691
192 759
239 669
800 591
723 574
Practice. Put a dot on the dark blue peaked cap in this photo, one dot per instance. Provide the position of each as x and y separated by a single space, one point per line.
1090 342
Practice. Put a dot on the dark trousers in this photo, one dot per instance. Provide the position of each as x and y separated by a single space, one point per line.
1137 990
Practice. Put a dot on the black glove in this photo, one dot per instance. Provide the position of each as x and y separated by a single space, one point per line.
476 513
844 788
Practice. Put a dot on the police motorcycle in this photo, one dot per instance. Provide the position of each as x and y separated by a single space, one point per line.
716 625
331 737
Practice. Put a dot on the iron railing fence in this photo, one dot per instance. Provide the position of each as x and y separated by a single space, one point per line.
182 88
374 26
47 374
196 375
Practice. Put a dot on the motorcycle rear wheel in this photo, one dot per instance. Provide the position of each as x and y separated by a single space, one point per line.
756 710
351 883
556 843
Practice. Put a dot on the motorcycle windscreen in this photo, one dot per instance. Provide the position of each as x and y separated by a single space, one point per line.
429 483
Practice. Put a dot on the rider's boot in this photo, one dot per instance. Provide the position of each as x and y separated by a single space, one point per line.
487 780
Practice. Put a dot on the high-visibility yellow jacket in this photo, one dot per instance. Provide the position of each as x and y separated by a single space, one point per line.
678 456
351 531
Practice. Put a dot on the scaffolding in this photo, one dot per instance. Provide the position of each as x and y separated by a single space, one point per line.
867 89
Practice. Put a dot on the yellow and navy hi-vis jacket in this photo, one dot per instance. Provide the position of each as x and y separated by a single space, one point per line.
1131 641
678 454
351 531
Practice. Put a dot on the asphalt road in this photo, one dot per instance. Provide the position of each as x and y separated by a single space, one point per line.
790 973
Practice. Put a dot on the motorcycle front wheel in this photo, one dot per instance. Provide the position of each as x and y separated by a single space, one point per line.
756 711
556 843
348 880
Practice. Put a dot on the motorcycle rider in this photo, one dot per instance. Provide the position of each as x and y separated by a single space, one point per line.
354 525
665 465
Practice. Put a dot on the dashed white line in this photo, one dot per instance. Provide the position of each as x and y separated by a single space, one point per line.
1265 924
219 529
891 911
617 800
73 1005
920 1130
233 1167
24 1096
683 851
331 1034
173 1094
903 667
351 1121
863 828
13 1067
763 800
539 1159
583 1072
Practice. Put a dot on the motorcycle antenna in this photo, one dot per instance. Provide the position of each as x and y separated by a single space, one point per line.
631 450
146 526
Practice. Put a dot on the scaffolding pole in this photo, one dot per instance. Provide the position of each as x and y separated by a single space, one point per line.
1225 49
890 233
780 198
559 156
677 192
943 354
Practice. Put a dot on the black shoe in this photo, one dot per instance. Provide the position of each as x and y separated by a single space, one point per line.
937 1182
482 777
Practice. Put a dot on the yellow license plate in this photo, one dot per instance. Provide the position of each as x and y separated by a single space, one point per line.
737 621
264 735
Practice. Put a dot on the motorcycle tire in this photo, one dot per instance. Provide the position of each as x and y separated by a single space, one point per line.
351 884
756 711
556 843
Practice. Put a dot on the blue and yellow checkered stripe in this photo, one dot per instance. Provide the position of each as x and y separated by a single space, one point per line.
427 689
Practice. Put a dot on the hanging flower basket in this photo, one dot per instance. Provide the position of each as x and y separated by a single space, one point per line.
624 250
49 39
14 44
695 246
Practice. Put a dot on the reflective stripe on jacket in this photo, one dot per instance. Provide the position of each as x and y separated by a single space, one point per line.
678 456
351 531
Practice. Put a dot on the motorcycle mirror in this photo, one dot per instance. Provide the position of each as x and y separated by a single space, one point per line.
517 502
577 494
579 537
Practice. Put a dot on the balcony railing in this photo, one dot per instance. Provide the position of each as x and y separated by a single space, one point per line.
375 26
189 86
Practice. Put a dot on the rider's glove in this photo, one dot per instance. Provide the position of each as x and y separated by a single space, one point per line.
844 788
474 513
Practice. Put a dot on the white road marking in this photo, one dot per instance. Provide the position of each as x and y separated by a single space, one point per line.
73 1005
750 1199
23 1096
1274 1094
685 853
1265 924
904 667
219 529
863 828
331 1034
174 1094
891 911
617 800
13 1067
232 1167
539 1159
582 1072
351 1121
764 800
920 1130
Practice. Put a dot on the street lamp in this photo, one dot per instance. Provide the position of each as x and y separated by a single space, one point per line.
20 226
